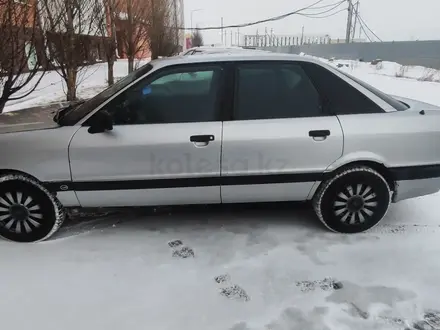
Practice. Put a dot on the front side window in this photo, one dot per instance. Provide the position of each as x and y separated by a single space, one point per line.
175 97
77 113
274 90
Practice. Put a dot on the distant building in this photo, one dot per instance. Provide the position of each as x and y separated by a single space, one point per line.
91 35
19 24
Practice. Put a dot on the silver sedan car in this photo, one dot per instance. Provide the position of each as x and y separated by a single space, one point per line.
220 129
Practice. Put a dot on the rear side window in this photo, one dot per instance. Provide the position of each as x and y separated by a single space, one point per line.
341 97
274 90
385 97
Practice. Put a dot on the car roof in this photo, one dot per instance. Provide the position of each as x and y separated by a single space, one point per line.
216 48
230 57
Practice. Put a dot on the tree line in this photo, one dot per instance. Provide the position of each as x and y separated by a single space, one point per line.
64 35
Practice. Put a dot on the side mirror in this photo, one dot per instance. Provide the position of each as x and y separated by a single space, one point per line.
100 122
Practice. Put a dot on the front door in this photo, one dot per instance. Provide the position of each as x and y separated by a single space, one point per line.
280 140
164 147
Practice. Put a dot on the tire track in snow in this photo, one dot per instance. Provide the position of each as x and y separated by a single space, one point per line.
390 229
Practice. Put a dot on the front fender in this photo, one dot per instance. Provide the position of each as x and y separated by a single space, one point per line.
42 154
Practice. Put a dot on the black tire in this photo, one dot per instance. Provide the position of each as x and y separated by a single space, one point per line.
353 201
28 211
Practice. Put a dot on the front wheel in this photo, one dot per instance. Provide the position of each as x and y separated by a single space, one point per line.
28 211
353 201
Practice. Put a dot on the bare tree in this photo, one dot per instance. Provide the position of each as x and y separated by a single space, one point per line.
133 19
20 35
197 39
149 26
108 27
68 26
163 32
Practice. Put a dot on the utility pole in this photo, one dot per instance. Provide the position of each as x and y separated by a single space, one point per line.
192 12
265 37
302 35
356 13
222 30
357 16
349 21
238 37
231 38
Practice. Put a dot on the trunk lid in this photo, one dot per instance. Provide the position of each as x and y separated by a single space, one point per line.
416 105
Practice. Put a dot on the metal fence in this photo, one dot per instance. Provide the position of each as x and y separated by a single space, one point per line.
424 53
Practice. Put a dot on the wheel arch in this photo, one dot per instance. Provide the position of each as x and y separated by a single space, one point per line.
326 198
373 164
4 171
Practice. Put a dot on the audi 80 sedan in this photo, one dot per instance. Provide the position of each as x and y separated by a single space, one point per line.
215 129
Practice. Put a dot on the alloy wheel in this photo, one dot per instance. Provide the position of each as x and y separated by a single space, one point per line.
355 204
19 213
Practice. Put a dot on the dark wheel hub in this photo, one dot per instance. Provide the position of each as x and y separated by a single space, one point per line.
355 204
28 211
19 212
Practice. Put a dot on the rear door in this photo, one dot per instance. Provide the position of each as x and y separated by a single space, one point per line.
279 141
164 147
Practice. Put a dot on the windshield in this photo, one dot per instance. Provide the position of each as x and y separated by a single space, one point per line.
77 113
400 106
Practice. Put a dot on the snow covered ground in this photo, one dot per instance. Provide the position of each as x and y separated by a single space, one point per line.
245 268
251 268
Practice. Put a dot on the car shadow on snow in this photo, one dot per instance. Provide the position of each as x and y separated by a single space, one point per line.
236 218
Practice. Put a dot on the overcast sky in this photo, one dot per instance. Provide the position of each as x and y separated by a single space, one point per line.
389 19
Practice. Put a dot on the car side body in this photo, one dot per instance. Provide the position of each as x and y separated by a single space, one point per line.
225 159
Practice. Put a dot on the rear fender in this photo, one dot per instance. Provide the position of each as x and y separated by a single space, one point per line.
356 157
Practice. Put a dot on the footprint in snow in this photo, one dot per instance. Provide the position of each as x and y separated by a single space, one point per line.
222 278
184 252
175 243
180 250
327 284
234 292
229 290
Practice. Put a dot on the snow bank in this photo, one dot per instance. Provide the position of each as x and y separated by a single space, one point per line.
395 79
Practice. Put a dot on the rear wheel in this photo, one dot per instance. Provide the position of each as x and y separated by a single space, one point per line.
28 211
353 201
